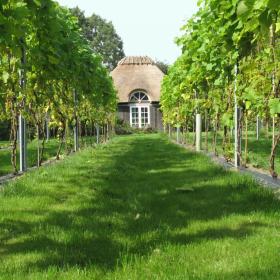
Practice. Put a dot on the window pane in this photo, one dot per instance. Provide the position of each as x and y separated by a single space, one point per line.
139 97
144 116
135 116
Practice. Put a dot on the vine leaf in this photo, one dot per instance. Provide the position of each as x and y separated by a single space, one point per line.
274 105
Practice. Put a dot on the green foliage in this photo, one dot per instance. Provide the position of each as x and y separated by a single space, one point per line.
163 66
4 130
124 128
274 105
221 35
102 37
44 59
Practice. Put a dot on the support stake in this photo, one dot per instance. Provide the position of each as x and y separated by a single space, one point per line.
198 132
22 121
178 134
47 127
237 147
22 144
273 131
76 127
97 133
258 127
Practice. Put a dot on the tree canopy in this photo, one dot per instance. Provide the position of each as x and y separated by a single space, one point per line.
102 36
163 66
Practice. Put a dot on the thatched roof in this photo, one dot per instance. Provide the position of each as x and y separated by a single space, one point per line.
137 73
136 60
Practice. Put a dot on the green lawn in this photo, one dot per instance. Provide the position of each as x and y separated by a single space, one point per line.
258 150
5 155
4 144
115 212
50 152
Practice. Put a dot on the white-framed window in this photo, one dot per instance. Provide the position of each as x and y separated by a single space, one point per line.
139 109
139 97
134 116
139 115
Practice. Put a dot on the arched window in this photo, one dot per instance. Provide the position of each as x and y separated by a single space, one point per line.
138 97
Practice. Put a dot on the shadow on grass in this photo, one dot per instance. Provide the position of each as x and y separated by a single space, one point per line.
126 202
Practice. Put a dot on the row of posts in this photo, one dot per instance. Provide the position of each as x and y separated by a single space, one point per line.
22 122
23 141
236 131
197 133
237 126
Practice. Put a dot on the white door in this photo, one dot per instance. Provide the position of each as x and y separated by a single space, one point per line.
139 116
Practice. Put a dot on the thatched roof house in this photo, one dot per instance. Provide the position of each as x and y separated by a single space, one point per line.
138 81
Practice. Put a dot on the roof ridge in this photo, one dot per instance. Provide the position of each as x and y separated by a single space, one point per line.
136 60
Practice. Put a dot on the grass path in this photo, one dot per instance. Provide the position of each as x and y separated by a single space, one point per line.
114 213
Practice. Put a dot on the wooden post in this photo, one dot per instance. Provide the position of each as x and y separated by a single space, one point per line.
258 127
97 133
274 90
169 130
22 144
198 132
273 131
76 137
107 132
76 127
237 146
178 134
22 121
47 127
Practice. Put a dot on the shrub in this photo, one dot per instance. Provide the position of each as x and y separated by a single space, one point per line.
124 128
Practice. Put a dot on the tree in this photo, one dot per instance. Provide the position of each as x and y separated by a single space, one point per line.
102 36
163 66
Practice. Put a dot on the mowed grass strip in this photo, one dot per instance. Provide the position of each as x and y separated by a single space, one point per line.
138 208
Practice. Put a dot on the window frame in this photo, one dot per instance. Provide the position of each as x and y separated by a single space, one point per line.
139 107
137 99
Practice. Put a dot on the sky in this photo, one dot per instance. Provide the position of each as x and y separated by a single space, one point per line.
147 27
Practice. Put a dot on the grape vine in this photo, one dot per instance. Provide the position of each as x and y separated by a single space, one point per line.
225 36
44 59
